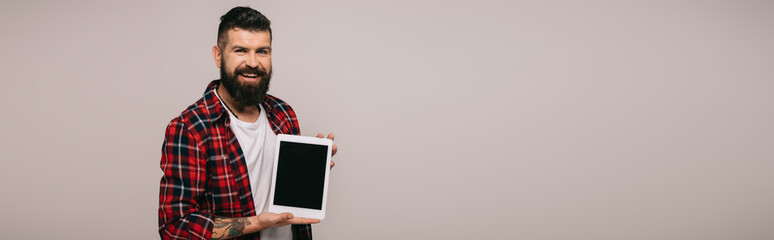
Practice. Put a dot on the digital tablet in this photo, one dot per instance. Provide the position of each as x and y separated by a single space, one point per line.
300 181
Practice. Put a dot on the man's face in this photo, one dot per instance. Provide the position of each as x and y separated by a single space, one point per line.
245 65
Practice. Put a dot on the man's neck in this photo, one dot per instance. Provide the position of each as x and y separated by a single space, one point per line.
242 112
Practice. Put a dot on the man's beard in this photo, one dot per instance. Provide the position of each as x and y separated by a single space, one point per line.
246 94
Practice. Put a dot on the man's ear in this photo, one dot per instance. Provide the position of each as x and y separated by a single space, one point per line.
217 55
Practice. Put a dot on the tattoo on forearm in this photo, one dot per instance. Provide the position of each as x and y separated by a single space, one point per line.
229 227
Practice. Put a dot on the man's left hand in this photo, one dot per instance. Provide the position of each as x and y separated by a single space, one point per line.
333 151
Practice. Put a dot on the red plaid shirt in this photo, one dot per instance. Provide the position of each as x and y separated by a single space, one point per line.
205 174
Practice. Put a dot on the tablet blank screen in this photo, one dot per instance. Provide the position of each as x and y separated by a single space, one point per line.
300 175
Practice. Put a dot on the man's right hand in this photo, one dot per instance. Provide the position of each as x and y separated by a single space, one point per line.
270 220
226 228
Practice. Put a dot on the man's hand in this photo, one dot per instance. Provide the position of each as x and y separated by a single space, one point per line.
226 228
333 151
270 220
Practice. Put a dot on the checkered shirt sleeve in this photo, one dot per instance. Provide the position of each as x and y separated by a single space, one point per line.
183 183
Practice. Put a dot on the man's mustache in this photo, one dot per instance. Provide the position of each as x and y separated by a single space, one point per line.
249 70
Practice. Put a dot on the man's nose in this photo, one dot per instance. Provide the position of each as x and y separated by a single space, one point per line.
252 61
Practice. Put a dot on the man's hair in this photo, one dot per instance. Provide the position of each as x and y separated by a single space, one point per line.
243 18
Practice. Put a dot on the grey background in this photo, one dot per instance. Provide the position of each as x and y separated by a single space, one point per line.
455 119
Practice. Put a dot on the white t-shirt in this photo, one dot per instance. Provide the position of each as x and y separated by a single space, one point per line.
258 142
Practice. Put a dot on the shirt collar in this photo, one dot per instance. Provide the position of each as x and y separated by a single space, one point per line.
216 109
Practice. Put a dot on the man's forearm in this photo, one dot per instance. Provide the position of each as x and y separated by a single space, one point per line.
233 227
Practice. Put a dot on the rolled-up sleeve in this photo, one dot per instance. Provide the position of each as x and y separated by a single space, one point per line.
182 185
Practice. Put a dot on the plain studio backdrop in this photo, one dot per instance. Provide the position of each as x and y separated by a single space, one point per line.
455 119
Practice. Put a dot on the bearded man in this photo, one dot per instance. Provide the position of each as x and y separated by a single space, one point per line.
217 155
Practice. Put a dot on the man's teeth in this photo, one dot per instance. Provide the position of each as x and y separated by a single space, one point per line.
251 75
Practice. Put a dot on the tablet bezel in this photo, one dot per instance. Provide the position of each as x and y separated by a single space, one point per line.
298 211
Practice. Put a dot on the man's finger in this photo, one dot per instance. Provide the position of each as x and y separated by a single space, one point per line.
334 150
333 163
303 221
330 136
279 218
320 135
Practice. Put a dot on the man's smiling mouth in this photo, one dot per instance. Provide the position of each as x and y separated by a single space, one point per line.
249 75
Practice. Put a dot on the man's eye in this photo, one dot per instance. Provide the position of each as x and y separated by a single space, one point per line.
240 50
263 51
